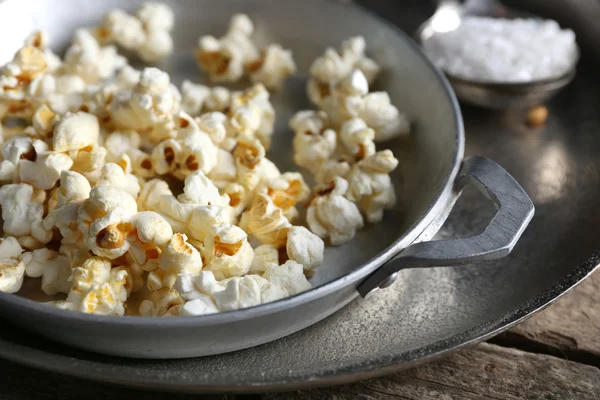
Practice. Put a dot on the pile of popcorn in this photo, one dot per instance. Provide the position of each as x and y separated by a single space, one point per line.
113 182
504 50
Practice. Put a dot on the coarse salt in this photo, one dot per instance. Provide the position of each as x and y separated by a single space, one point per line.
504 50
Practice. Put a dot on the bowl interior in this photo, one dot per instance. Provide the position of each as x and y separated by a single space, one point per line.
426 158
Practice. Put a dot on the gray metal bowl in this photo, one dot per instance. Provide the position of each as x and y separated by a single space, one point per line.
431 175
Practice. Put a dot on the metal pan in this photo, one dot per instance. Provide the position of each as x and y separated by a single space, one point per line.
431 175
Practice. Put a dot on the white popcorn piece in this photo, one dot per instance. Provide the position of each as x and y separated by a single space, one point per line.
225 171
124 29
331 169
240 292
165 156
121 142
88 161
67 93
44 121
74 187
150 235
97 289
75 131
114 175
214 124
8 172
252 114
142 164
200 306
333 66
286 191
150 106
272 67
265 256
218 99
53 268
370 185
44 172
198 152
266 222
199 190
160 302
385 119
193 97
156 16
304 247
314 142
103 201
177 258
358 138
204 218
107 235
151 194
346 96
40 40
86 58
228 251
224 58
332 215
289 278
157 46
12 273
10 248
252 166
22 212
239 198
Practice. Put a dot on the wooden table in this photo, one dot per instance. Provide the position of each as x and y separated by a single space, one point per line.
554 355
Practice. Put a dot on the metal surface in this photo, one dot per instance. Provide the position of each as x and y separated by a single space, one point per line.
495 95
432 154
428 312
515 210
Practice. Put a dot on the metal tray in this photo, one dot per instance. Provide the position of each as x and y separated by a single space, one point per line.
559 167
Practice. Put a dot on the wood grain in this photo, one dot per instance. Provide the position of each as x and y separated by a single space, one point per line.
486 371
570 328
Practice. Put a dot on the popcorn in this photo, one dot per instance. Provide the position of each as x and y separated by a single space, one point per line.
385 119
87 59
314 142
357 137
200 190
266 222
252 114
288 278
239 198
160 302
201 306
88 161
218 99
142 165
157 46
345 99
193 97
53 268
332 66
198 152
265 255
75 131
240 292
149 106
12 273
252 166
304 247
96 289
272 67
96 218
286 191
10 248
331 169
40 40
227 251
156 16
126 30
73 188
164 156
177 258
204 218
224 59
370 185
225 171
121 142
22 212
214 124
332 215
113 175
150 235
45 170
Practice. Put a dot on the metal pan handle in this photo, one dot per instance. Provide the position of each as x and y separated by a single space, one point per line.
515 210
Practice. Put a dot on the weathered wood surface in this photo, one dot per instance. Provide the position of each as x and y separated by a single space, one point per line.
570 328
569 331
486 371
